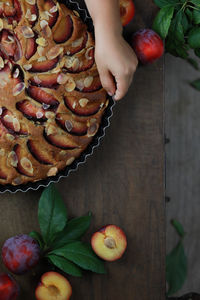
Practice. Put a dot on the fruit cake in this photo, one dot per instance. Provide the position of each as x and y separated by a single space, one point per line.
51 98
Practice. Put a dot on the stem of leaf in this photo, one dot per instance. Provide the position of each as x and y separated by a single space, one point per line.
193 7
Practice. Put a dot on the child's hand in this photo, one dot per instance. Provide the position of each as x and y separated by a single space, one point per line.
115 59
116 62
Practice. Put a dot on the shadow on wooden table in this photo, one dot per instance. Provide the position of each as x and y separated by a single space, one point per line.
191 296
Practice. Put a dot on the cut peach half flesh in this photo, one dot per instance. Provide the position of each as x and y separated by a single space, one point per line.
53 286
109 243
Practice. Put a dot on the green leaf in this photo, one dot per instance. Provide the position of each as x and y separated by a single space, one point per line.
179 228
195 2
162 3
82 255
189 13
52 213
65 265
194 38
193 63
185 23
176 268
196 16
176 28
37 236
163 20
74 230
175 48
196 84
197 52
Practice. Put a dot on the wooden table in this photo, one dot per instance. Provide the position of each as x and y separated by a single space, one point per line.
123 184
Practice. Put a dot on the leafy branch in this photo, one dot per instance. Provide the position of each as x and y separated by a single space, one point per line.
178 23
60 238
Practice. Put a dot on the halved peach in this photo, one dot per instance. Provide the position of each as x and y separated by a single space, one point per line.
43 66
40 154
109 243
45 80
64 30
48 5
53 286
73 104
31 111
42 96
67 123
58 140
31 48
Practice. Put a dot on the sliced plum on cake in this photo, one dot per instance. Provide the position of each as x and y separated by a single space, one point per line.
24 165
42 97
10 45
41 154
12 123
63 29
88 84
3 130
77 45
75 64
43 66
3 174
74 127
59 139
31 47
31 111
51 10
12 78
11 9
31 12
82 106
45 80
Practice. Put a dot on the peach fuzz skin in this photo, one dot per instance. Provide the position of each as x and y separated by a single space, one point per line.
109 243
53 286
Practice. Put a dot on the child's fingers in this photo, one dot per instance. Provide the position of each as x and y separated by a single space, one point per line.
123 84
107 82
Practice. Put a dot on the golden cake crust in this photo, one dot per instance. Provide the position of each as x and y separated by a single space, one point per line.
51 99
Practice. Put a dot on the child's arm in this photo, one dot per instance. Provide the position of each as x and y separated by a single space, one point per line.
114 57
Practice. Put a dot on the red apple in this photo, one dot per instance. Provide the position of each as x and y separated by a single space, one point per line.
127 11
147 45
53 286
109 243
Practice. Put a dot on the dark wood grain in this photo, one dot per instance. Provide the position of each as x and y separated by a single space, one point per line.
122 183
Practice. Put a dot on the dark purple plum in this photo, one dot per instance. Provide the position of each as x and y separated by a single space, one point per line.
20 253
